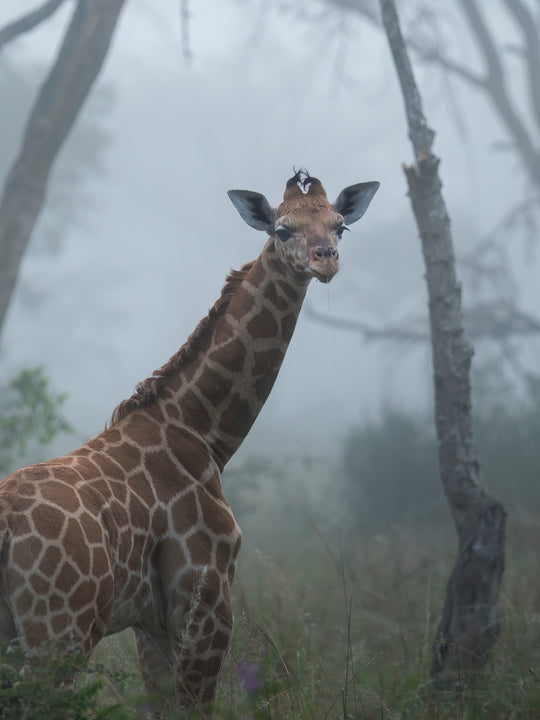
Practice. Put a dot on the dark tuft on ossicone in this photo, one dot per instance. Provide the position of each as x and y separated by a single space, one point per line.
304 181
299 177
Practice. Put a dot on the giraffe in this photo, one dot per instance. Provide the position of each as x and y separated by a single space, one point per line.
132 529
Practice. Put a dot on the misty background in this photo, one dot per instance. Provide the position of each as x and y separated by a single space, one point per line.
338 484
138 233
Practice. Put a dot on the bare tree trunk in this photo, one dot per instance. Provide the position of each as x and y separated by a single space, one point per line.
471 617
59 101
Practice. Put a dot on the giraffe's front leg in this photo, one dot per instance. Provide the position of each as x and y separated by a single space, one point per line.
201 634
156 660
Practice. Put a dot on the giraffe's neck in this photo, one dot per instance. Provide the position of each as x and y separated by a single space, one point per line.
220 392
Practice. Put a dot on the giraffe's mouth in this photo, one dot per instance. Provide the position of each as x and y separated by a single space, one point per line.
324 271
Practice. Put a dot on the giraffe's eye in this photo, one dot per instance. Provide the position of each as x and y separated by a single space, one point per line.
283 234
341 229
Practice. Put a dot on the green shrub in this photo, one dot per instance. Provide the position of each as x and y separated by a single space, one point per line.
44 685
29 416
390 472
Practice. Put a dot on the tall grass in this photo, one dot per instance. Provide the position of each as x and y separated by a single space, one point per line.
345 633
337 633
353 640
339 593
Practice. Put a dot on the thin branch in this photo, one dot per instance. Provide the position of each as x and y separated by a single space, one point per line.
498 322
434 55
524 18
184 29
404 333
362 7
493 81
28 22
495 86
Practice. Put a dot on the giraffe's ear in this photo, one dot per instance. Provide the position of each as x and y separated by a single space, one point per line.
254 209
353 202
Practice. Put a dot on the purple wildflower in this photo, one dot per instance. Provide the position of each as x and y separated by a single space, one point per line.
249 675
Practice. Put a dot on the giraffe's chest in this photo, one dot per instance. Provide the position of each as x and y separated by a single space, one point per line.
156 568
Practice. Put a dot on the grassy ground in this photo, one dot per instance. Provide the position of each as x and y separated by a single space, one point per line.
346 634
331 630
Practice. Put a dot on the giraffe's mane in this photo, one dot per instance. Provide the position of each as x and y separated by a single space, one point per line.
150 389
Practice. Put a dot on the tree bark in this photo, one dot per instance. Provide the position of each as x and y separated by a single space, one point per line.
59 101
470 621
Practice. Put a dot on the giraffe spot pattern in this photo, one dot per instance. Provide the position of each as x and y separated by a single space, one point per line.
196 411
237 419
264 385
24 602
213 386
67 577
56 602
60 494
267 361
288 323
50 561
25 552
263 325
189 451
200 547
48 521
230 356
40 585
185 513
240 306
143 432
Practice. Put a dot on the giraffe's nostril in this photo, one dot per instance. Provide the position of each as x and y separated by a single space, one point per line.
320 253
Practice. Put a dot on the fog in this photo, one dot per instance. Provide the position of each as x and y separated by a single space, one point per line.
154 234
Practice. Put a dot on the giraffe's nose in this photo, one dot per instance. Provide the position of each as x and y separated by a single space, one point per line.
324 262
324 251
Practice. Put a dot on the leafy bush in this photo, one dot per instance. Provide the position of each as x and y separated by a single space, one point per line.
29 416
390 470
33 687
509 450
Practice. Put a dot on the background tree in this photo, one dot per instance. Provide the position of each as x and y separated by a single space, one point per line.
57 106
425 36
492 313
470 622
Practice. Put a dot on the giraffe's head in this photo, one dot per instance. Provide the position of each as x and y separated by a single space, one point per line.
306 227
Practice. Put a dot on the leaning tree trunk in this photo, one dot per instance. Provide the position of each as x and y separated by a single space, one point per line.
61 97
470 621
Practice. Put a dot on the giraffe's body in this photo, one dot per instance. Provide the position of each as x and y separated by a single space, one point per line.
132 529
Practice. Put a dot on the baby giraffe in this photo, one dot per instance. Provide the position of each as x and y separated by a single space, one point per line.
132 529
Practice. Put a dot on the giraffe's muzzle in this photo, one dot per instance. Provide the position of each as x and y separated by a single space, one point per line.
324 262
